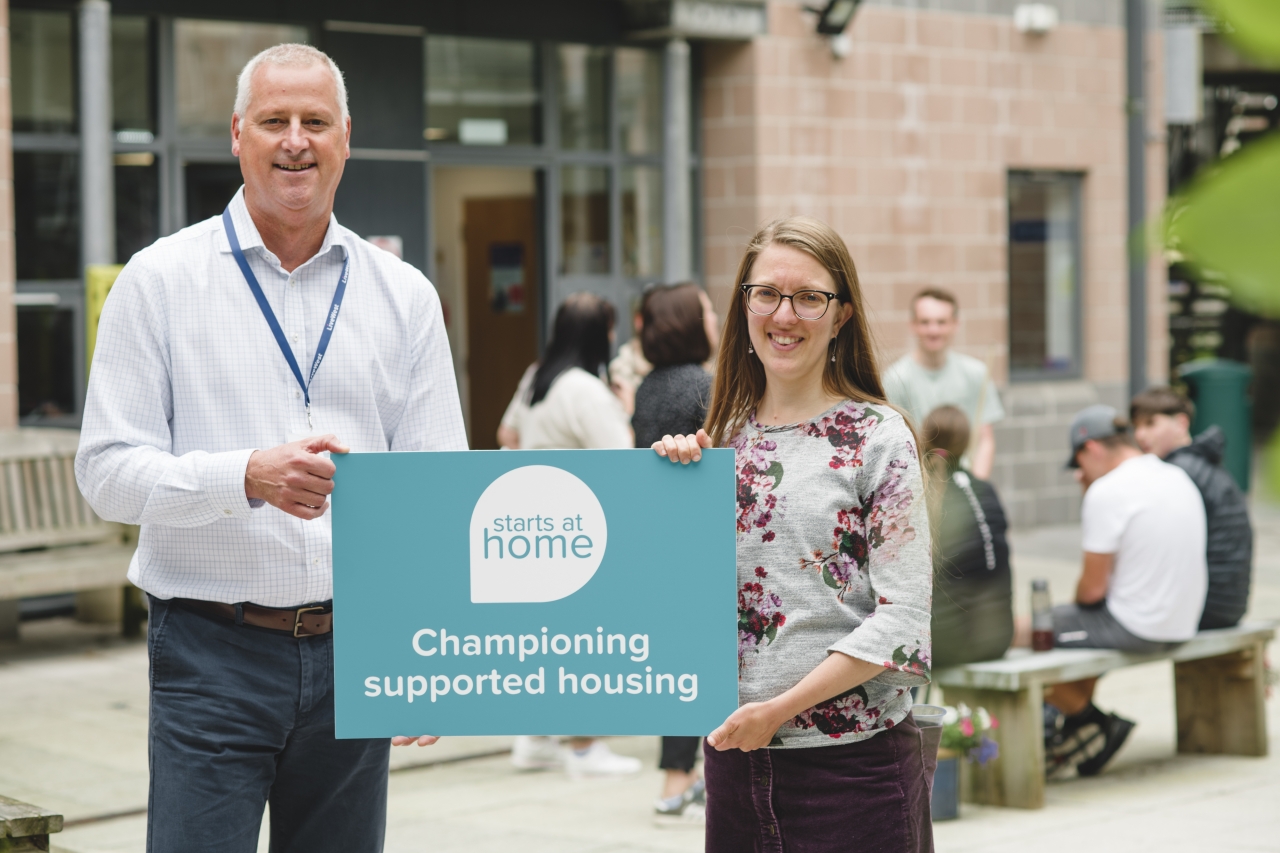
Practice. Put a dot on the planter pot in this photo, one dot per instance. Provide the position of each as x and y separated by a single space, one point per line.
945 804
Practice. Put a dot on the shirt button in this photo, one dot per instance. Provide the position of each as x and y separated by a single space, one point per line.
315 562
295 339
297 394
226 512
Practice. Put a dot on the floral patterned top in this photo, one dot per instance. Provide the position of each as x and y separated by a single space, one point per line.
833 556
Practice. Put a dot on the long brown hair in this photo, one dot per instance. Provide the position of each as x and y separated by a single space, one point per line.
740 380
944 438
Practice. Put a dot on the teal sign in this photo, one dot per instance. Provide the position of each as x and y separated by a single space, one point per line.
533 592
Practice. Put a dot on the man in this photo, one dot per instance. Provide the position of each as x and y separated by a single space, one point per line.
932 375
1144 578
229 360
1162 425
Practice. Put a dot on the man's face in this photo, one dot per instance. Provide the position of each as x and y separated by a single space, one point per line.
1162 434
292 141
934 324
1095 461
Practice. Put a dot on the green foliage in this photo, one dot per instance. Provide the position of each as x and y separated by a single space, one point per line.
1227 225
1254 26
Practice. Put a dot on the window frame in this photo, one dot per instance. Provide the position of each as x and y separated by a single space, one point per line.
1076 179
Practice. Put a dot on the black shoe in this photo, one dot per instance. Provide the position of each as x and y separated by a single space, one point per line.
1117 731
1071 740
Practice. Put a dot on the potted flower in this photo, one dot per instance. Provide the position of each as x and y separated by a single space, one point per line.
965 733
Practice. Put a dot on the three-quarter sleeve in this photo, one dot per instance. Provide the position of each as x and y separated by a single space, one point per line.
897 562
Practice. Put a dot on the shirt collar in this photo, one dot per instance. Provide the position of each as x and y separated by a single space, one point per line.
247 231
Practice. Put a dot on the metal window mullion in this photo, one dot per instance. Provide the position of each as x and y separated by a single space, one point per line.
172 191
547 59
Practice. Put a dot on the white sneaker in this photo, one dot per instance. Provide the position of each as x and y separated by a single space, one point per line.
536 753
599 760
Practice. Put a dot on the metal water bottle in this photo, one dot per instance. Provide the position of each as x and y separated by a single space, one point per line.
1041 616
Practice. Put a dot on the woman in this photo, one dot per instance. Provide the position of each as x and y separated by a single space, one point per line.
570 407
678 332
833 566
561 402
972 585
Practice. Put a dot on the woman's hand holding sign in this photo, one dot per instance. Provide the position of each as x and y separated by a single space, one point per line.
683 448
424 740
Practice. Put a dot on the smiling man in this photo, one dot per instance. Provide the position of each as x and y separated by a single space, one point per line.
933 375
231 357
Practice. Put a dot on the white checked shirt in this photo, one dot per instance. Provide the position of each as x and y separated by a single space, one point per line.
187 381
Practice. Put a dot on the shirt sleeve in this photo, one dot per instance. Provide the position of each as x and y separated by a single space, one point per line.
125 466
432 418
899 565
1102 519
992 410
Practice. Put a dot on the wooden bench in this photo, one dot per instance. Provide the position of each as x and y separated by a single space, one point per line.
50 539
26 827
1220 688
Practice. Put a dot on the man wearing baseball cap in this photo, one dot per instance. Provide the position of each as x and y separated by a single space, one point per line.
1144 579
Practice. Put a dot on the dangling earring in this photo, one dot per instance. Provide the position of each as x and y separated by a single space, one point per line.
833 357
833 350
750 348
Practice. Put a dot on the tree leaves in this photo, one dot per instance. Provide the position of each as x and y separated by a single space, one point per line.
1254 26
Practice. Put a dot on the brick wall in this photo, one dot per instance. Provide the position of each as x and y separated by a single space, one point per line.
904 147
8 319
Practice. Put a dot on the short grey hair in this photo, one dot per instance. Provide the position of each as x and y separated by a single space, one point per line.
291 56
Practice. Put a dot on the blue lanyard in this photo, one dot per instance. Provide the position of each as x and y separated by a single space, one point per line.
270 315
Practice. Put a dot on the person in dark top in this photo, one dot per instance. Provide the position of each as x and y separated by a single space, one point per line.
972 584
678 333
1161 420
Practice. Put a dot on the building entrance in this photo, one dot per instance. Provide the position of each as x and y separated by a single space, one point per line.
489 274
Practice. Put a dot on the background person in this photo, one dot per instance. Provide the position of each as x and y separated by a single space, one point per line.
1162 425
187 429
972 584
832 532
629 367
570 407
679 331
1143 583
934 375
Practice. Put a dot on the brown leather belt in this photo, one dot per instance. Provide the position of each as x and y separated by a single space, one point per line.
311 621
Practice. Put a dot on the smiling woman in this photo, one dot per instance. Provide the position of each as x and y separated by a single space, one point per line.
831 529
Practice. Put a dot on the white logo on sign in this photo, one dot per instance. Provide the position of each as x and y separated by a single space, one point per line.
538 533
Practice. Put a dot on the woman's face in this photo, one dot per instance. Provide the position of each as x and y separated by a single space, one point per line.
793 351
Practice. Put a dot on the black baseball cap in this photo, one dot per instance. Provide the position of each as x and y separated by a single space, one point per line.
1090 423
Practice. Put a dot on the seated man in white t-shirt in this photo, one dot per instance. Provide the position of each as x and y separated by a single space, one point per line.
1144 579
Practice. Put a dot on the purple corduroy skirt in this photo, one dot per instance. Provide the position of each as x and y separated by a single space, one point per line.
870 796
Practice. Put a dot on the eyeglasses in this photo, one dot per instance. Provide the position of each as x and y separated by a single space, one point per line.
807 304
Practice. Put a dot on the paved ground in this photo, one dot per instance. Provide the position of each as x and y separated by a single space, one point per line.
73 738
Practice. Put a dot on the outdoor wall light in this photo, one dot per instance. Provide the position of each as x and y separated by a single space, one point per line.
835 16
1035 19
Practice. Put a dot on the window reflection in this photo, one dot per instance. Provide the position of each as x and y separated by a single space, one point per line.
639 100
1044 251
46 361
209 56
641 221
584 220
583 97
43 71
132 79
137 203
46 202
481 91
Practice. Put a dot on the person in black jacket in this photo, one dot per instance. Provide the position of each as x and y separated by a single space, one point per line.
1162 425
678 333
972 582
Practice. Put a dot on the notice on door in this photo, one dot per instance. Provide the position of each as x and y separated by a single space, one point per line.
506 278
534 592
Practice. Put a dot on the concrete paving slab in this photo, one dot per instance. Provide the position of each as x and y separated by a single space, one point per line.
73 737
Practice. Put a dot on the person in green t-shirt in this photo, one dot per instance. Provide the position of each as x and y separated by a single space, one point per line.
932 375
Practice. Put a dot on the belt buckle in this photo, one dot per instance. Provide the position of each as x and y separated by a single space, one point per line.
297 620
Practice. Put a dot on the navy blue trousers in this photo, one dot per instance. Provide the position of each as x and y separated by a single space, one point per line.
242 717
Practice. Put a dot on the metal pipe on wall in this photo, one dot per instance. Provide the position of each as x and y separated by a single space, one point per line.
1136 107
97 160
677 236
